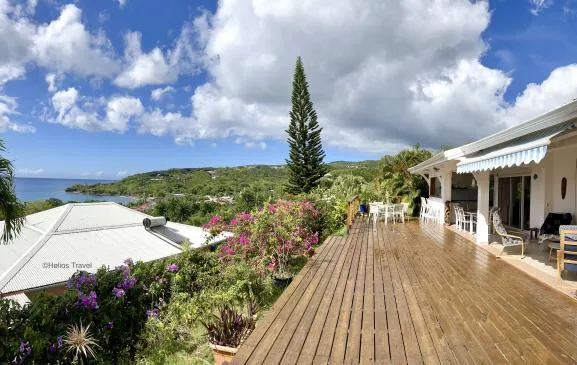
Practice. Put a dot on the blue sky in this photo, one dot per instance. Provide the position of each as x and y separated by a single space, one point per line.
101 89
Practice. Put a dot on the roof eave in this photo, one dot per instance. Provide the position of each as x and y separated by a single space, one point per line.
562 114
425 165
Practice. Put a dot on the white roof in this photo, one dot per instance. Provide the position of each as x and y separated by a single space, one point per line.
55 242
19 298
549 125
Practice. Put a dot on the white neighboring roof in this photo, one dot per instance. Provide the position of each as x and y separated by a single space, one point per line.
54 242
20 298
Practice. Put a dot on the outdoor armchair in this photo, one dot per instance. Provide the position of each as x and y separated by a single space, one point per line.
508 239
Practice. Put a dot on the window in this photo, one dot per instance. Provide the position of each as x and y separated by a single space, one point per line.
435 187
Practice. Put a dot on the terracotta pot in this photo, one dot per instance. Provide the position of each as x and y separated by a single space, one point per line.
222 354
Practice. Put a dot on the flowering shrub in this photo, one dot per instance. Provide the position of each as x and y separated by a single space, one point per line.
117 304
270 237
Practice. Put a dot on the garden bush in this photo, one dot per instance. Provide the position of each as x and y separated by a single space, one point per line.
270 238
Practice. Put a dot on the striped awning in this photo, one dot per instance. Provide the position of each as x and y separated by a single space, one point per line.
531 150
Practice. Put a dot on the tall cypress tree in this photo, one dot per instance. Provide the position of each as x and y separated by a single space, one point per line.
305 162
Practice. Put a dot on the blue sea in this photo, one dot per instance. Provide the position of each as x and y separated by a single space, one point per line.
28 189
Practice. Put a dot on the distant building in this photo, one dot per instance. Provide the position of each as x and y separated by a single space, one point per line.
56 243
220 199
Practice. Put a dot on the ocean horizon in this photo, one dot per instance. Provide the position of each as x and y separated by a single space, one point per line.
41 188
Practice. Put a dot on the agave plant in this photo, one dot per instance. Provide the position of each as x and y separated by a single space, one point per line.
79 340
229 328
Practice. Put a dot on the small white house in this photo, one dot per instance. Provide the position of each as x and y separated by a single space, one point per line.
56 243
528 171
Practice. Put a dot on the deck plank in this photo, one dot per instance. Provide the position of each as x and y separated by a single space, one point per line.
302 329
353 343
339 344
332 295
410 294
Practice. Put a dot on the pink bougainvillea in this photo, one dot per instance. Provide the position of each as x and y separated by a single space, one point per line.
271 237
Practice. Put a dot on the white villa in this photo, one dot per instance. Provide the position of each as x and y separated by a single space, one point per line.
528 171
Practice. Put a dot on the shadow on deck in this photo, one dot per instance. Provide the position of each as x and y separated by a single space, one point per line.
409 294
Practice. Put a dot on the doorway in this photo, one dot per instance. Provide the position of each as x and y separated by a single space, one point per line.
515 200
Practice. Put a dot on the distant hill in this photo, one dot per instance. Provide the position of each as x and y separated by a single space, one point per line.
215 181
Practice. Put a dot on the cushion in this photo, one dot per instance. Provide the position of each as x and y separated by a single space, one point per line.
554 221
569 237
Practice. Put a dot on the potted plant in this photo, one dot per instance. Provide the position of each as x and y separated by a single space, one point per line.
226 331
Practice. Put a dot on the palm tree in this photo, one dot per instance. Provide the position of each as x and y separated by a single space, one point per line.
395 178
11 210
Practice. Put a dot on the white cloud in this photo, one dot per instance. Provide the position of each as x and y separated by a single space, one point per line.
15 43
120 109
51 81
27 171
65 45
121 3
538 6
387 85
558 89
367 91
251 144
122 173
96 173
159 93
92 114
8 106
155 67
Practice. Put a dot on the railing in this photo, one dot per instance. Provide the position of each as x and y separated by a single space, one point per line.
352 209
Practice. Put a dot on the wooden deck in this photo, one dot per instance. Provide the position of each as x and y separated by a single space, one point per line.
413 294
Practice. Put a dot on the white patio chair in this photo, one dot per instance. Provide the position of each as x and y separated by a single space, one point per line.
465 221
373 213
399 212
432 213
423 212
387 211
459 218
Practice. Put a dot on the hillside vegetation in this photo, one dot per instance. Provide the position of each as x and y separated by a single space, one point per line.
229 181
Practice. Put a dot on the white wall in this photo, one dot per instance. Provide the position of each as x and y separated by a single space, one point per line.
561 163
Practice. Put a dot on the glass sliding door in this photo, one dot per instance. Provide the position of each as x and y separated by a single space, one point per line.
504 198
526 201
515 201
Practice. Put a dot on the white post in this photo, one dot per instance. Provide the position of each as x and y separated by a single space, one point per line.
482 207
446 184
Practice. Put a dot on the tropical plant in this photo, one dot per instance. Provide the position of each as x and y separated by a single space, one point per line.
229 328
394 176
80 342
11 210
306 155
